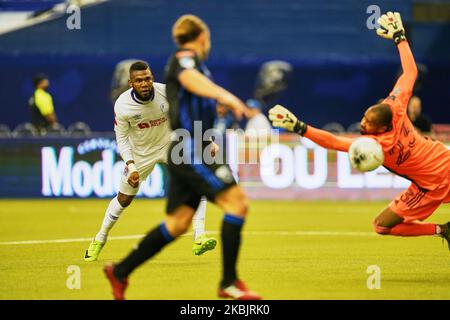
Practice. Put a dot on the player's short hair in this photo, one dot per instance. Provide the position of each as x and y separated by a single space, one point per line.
38 78
383 115
187 28
138 66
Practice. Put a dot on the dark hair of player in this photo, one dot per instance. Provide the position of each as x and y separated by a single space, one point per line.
383 115
38 78
138 66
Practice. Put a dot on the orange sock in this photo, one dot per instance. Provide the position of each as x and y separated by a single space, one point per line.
411 229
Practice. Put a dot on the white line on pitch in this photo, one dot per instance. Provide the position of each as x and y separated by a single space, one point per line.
250 233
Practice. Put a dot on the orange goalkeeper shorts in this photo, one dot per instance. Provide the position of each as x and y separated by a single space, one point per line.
414 204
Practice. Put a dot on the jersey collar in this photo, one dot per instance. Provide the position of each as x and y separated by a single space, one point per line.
136 99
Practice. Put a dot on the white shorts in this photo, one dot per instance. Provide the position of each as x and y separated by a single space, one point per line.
144 168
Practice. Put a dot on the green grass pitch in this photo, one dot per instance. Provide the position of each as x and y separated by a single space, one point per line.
291 250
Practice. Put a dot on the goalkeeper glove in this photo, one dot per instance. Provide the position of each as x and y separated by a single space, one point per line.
283 118
391 27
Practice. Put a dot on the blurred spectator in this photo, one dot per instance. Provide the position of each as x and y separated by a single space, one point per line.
420 121
224 119
272 81
258 122
41 104
119 83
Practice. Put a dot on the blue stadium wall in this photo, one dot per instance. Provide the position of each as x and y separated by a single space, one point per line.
340 67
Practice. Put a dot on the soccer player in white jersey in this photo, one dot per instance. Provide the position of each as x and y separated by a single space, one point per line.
143 136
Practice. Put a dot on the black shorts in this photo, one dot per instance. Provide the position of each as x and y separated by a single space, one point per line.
189 182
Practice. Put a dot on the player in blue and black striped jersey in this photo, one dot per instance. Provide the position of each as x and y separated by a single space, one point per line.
192 97
186 106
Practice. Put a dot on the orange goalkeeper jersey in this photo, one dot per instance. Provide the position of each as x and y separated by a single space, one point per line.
406 153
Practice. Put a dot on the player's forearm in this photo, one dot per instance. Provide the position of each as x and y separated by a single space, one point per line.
123 145
408 65
328 140
51 118
283 118
195 82
126 155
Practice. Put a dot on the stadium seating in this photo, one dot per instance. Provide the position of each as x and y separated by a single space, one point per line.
25 129
334 127
5 132
57 130
354 127
79 129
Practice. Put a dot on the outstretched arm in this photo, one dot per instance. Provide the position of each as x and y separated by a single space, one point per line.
283 118
197 83
191 79
328 140
391 27
405 84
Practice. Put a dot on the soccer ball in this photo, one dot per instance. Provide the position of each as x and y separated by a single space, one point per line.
365 154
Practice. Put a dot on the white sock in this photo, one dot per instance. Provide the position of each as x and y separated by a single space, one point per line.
198 221
111 215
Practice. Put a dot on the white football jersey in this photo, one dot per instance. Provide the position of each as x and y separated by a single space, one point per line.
142 127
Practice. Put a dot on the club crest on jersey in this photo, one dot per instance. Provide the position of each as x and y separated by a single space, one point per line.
187 62
224 174
163 107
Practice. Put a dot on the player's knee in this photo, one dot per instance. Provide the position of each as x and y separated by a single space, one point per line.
234 201
125 203
178 226
240 202
243 206
183 226
380 229
124 200
239 205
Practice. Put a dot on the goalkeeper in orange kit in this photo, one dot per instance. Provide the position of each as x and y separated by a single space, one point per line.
426 163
